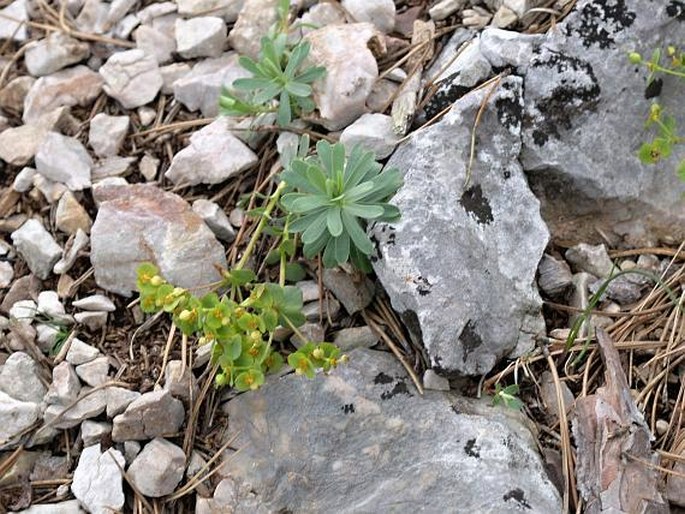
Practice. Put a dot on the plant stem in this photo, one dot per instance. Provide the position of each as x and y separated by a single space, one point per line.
284 257
262 224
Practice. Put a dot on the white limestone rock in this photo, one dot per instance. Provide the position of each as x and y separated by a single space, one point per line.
351 71
204 36
37 247
132 77
54 52
379 12
107 133
215 218
97 482
213 156
158 469
372 132
64 159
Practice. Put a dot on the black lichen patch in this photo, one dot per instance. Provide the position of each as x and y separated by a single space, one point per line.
676 9
571 98
474 202
540 138
599 22
446 94
382 378
399 388
507 175
519 496
423 286
472 449
470 339
348 408
509 113
654 88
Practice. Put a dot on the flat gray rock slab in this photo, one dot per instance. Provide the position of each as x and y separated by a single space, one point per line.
363 440
459 266
139 223
584 118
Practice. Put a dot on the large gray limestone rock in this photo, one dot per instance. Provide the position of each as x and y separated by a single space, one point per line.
139 223
362 440
460 264
584 121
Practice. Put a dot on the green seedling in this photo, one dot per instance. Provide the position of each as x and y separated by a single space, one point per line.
334 197
279 83
507 396
667 136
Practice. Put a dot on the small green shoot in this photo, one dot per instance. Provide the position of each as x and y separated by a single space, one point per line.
507 396
279 81
335 197
667 136
586 315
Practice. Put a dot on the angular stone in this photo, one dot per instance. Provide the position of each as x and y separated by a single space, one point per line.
459 266
154 414
578 85
80 352
204 36
6 274
372 132
16 416
312 311
70 87
148 167
12 20
165 231
64 159
111 167
131 77
312 332
70 216
65 386
158 469
213 156
200 88
215 218
171 73
67 507
20 378
56 51
94 373
366 421
23 311
37 247
180 382
89 405
348 339
12 96
554 276
254 21
97 482
18 145
118 398
351 71
355 291
94 320
155 43
226 9
433 381
93 431
321 15
379 12
591 259
93 17
117 11
96 302
107 133
24 180
23 288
